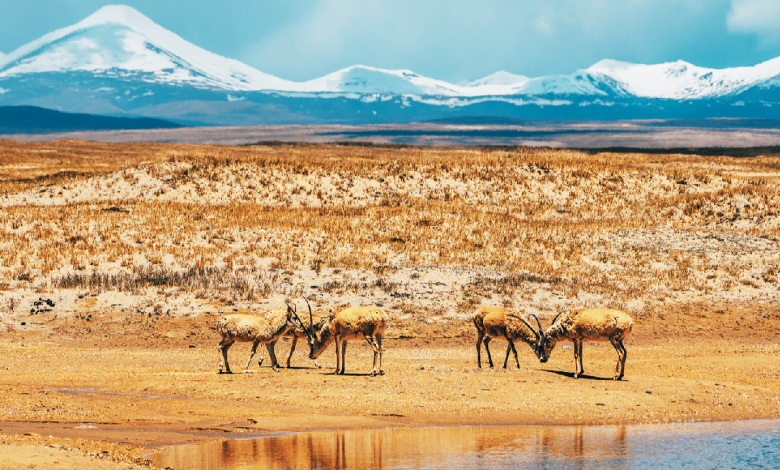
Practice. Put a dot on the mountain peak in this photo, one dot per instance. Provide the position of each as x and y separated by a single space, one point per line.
120 38
121 14
608 65
682 80
499 78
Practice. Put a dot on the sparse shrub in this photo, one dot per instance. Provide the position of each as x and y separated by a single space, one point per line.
533 216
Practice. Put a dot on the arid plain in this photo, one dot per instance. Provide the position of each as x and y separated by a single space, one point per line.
140 247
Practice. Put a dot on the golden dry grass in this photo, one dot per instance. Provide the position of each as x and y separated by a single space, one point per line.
228 221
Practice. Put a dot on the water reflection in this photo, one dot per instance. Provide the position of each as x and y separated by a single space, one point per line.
752 444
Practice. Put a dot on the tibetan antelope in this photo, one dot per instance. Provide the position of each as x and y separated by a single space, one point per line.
348 324
255 329
500 322
588 324
297 333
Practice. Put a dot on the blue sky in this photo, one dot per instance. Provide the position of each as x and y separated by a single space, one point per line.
453 40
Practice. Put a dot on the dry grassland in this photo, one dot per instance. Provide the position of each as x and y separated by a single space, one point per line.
439 229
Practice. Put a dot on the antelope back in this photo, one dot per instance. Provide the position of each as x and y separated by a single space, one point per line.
491 320
600 324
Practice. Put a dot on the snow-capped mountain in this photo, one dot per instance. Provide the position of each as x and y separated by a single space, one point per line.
370 80
500 78
118 41
681 80
119 62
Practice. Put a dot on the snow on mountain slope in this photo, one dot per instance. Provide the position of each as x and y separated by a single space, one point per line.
578 83
681 80
369 80
119 40
499 83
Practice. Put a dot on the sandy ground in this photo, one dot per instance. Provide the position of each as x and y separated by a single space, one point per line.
139 382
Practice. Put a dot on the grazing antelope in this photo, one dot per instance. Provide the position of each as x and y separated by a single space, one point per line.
256 329
300 332
350 323
587 324
494 322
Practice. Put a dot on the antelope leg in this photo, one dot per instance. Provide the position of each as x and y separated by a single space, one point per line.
292 349
224 345
508 350
621 363
379 343
487 348
576 348
514 351
343 356
338 356
272 354
251 355
371 342
480 337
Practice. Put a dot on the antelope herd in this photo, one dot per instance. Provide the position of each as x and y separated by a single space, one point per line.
576 325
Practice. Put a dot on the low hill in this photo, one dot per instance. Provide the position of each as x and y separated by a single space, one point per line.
35 120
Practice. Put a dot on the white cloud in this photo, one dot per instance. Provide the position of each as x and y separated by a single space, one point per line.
760 17
544 25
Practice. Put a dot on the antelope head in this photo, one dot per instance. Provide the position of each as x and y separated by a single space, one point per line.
538 333
543 348
320 336
544 345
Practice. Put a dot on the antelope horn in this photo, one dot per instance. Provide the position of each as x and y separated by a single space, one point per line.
526 324
537 321
556 316
311 320
295 312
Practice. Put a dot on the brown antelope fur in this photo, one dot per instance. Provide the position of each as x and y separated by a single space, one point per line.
588 324
255 329
348 324
500 322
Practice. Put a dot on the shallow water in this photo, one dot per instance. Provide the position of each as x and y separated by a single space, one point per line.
745 444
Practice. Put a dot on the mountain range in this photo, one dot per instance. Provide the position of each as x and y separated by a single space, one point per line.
118 62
